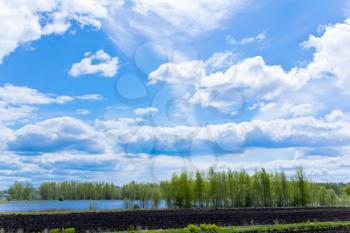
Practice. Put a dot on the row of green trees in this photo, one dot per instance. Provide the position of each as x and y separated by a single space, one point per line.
144 195
21 191
78 191
239 189
211 189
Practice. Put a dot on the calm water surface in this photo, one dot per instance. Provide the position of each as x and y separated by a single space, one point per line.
20 206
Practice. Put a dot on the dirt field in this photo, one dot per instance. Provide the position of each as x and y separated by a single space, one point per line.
156 219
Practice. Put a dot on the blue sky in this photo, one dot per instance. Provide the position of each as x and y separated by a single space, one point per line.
117 90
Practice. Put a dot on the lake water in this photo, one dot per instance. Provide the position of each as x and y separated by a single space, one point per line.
24 206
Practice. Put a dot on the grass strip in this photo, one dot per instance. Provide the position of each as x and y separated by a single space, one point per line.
211 228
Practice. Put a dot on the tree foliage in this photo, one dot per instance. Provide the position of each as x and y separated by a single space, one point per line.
212 189
21 191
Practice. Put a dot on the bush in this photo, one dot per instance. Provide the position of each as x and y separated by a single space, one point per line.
192 229
210 228
54 231
63 230
132 229
202 228
68 230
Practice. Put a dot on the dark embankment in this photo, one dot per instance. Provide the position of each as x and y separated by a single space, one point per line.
156 219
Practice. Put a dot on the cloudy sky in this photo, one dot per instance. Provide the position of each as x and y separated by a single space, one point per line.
120 90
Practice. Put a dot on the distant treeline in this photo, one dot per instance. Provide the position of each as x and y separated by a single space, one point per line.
73 190
211 189
239 189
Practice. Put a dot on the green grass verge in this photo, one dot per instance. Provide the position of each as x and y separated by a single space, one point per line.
205 228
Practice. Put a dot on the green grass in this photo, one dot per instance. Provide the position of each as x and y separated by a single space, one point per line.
250 229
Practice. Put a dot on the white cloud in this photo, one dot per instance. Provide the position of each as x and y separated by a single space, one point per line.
246 40
145 111
21 95
258 38
181 73
26 21
57 134
249 80
220 61
332 54
6 135
230 137
90 97
175 20
11 115
179 14
17 95
69 148
268 90
20 23
98 63
20 102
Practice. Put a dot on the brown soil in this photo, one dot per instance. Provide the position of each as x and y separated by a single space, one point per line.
161 219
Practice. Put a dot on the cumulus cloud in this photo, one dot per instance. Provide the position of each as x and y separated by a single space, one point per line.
17 95
332 54
332 130
176 23
57 134
180 15
26 21
267 91
98 63
20 102
176 73
220 61
11 114
125 144
6 134
250 80
21 95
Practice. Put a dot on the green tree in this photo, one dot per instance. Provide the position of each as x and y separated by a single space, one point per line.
21 191
199 189
300 191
